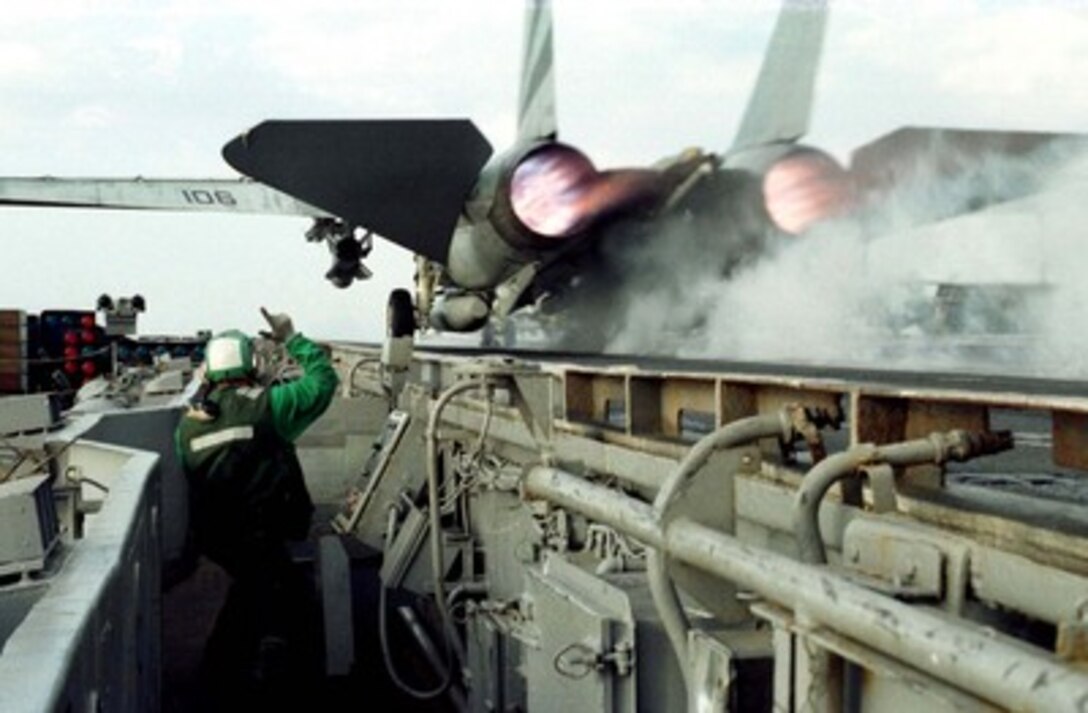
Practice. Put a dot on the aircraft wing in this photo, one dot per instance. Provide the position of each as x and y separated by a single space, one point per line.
781 103
898 156
227 196
996 245
406 180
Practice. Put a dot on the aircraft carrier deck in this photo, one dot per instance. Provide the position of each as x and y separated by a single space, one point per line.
613 533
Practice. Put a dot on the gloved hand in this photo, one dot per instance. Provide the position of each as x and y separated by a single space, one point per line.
282 328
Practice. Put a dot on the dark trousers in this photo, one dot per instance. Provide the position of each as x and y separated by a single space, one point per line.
259 649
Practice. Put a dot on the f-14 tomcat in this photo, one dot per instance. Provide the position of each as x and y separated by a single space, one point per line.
536 223
493 231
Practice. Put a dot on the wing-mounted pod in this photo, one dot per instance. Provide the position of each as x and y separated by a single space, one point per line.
799 185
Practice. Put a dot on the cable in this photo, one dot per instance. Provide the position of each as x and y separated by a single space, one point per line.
478 446
94 483
472 459
28 452
5 442
433 503
383 636
22 455
354 368
11 471
437 556
662 589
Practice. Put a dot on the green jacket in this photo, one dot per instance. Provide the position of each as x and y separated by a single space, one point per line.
244 477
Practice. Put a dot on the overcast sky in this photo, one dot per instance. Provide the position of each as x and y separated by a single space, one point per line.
156 87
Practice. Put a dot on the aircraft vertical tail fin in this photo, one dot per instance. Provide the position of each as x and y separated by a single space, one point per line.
536 99
781 102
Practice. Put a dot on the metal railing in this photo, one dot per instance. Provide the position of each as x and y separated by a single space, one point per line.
91 642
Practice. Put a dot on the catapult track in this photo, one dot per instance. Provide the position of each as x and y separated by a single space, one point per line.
657 398
885 378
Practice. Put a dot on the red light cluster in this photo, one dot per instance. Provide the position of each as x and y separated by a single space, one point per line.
79 338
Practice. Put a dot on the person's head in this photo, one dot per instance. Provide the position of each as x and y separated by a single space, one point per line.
228 356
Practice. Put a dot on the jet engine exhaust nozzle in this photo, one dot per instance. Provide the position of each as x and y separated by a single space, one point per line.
557 193
804 188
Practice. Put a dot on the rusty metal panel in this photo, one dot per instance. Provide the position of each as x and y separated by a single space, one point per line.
13 351
680 396
1070 439
1072 644
578 396
644 412
926 417
658 404
883 419
1073 403
589 395
877 419
736 400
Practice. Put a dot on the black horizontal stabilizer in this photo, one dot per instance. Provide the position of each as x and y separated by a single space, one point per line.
406 180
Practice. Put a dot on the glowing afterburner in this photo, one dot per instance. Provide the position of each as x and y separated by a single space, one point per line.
804 188
557 193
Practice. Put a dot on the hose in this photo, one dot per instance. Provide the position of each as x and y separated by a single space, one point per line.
383 636
437 556
664 593
349 382
937 449
438 564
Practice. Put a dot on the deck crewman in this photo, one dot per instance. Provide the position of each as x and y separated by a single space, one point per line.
248 498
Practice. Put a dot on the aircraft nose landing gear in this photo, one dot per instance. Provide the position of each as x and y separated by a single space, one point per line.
400 329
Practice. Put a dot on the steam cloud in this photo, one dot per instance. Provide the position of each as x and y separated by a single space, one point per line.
980 270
